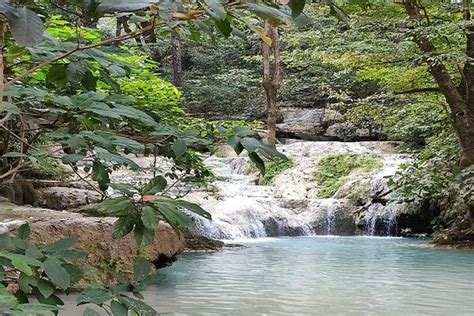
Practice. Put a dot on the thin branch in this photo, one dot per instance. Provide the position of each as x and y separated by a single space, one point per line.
419 90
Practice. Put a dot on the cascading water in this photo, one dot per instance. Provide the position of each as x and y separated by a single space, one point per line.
330 221
241 208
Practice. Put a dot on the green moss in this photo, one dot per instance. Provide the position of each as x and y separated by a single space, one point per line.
274 168
333 170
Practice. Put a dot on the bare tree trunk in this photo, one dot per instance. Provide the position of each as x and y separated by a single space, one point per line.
271 78
460 98
176 58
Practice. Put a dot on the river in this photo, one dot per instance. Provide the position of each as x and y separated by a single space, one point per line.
319 276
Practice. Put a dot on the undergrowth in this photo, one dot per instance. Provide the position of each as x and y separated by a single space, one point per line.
332 171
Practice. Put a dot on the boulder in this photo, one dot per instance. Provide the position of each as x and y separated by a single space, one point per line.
342 131
63 198
94 234
308 124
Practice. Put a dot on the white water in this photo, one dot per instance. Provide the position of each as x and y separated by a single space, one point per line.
290 205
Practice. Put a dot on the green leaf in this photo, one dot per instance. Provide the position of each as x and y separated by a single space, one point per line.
273 15
57 74
45 288
72 158
122 226
100 173
157 184
61 244
57 274
118 309
96 296
125 188
172 215
234 142
90 312
14 154
258 162
19 264
142 235
149 218
137 306
296 7
217 10
224 27
193 208
141 269
24 231
179 147
120 205
27 28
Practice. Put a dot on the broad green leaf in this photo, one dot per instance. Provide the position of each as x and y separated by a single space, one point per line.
258 162
143 236
14 154
100 173
45 287
149 218
62 244
96 296
137 306
179 147
19 264
224 27
118 309
72 158
122 226
119 205
141 269
193 208
234 142
57 273
125 188
217 10
157 184
172 215
27 28
52 300
115 159
296 7
90 312
24 231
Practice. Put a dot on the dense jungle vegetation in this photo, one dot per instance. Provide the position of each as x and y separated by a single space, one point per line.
88 83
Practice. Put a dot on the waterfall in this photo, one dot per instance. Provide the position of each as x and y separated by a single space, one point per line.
382 220
290 205
331 221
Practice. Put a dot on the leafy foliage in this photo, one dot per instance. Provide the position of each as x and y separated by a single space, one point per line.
274 168
333 170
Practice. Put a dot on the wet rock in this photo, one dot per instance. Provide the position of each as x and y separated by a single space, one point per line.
195 242
62 198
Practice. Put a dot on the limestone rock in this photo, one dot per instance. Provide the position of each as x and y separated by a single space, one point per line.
307 124
94 236
63 198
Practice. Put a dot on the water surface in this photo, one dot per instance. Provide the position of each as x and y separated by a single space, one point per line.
319 275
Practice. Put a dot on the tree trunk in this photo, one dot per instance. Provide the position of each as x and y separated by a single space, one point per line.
271 78
176 58
460 99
